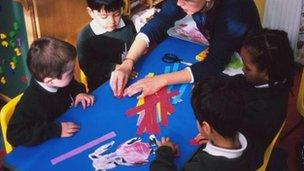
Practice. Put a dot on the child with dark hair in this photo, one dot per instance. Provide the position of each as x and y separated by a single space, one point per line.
218 109
103 41
268 78
51 92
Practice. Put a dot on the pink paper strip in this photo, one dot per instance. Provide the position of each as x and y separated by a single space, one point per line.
82 148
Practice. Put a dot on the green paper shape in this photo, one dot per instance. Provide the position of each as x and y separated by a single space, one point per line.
16 26
235 63
1 70
12 34
12 44
14 59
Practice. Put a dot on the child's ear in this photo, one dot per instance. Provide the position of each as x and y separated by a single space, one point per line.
90 12
206 128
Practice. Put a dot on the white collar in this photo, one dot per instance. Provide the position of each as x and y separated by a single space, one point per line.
98 30
267 85
47 88
228 153
262 86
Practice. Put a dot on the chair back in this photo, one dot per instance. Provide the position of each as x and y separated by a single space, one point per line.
5 115
300 100
269 149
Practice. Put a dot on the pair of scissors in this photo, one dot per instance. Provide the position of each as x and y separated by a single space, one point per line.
171 58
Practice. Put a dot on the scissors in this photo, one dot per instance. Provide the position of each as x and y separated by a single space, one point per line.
171 58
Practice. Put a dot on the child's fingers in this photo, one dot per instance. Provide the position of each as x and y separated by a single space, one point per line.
83 103
77 100
92 100
72 130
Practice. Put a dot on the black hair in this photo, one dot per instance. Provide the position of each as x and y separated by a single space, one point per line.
218 101
270 50
114 5
49 57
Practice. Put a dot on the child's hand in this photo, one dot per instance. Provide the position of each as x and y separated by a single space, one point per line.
85 99
201 139
68 129
165 141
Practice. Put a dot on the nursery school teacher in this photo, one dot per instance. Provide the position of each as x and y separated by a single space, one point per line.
224 23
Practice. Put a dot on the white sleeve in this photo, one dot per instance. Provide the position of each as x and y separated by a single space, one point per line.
144 37
192 78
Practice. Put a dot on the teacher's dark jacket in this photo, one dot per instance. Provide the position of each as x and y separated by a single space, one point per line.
225 26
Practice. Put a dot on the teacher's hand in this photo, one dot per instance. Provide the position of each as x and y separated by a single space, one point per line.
146 86
119 77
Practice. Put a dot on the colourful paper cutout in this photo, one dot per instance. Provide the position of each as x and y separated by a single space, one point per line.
14 59
4 43
1 70
149 120
12 44
194 142
3 80
24 79
16 26
82 148
12 65
18 42
202 55
12 34
2 36
17 51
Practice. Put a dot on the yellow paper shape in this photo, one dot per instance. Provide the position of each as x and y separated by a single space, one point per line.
13 65
4 43
3 80
2 36
202 55
17 51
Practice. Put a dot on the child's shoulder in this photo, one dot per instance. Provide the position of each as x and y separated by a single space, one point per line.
85 33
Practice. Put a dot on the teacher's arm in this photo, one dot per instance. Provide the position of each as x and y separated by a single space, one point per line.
234 21
153 32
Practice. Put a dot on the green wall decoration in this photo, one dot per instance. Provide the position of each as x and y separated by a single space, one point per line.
14 75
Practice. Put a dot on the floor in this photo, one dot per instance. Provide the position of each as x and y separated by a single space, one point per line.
286 143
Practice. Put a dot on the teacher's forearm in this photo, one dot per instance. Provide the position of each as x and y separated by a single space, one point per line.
137 48
183 76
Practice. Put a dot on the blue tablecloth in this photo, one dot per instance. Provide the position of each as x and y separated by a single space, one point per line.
109 114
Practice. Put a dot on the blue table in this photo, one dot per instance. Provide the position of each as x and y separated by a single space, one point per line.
109 114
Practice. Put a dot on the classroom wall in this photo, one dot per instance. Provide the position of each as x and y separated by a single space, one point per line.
62 19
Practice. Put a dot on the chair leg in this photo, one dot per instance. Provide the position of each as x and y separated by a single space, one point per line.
292 129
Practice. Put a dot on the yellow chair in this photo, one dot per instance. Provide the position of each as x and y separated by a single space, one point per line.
269 150
300 100
83 80
5 115
127 8
261 8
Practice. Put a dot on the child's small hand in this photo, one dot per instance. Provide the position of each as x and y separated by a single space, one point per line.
68 129
165 141
85 99
201 139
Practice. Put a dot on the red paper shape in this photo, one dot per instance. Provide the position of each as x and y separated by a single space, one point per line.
193 142
149 122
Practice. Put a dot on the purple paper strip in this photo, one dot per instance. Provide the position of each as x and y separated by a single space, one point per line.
82 148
